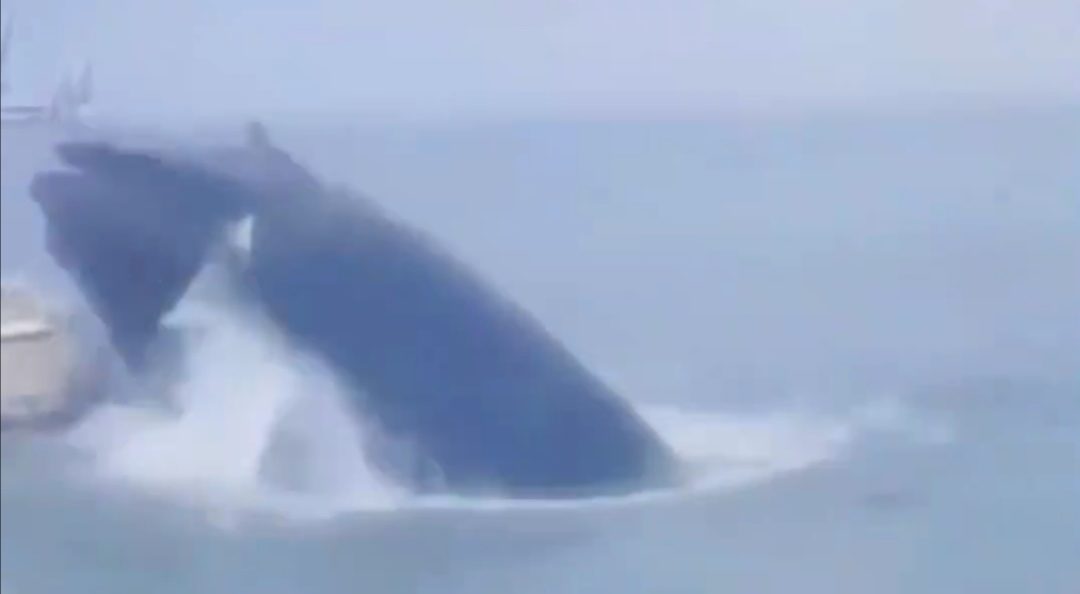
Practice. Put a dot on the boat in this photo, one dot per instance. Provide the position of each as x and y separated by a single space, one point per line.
49 376
37 360
71 96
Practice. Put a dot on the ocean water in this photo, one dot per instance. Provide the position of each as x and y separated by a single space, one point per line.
862 334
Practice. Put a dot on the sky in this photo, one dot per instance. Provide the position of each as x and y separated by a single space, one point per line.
486 58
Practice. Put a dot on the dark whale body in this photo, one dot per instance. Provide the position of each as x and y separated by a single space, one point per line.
484 394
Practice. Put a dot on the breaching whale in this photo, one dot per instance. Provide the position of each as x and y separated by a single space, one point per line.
487 397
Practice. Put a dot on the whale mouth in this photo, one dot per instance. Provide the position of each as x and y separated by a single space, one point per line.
468 391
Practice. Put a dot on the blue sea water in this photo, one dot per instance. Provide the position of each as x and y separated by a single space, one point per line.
864 333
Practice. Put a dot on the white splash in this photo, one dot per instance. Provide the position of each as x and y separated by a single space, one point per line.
262 427
245 395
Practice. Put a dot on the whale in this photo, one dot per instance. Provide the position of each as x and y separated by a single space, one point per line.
488 399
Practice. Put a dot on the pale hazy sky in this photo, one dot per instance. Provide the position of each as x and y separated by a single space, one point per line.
533 57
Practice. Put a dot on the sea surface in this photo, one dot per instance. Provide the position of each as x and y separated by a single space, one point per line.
861 333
